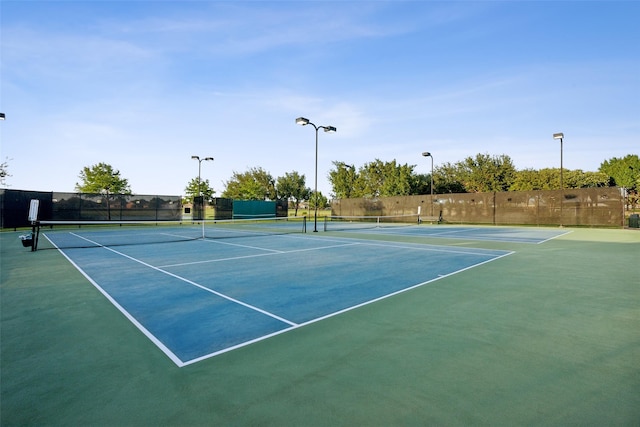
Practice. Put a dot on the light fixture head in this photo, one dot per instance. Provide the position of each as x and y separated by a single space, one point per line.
559 135
1 116
426 154
208 158
329 128
195 157
302 121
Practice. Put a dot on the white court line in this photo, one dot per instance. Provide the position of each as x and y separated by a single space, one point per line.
318 319
144 330
417 246
555 237
175 359
168 273
256 255
292 325
242 246
434 248
481 238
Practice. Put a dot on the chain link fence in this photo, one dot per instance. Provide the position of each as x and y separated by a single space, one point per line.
86 207
570 207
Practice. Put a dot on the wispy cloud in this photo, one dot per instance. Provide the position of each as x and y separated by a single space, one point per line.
146 85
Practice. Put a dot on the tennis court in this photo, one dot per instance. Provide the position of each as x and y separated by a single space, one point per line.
201 297
408 225
377 326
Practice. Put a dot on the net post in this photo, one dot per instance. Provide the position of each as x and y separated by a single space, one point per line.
35 235
34 206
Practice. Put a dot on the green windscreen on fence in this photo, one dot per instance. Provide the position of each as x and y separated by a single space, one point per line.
254 209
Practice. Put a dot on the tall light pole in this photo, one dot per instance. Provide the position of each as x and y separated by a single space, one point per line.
428 154
199 188
303 122
560 136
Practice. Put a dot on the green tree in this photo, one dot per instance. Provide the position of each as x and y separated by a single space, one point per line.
255 184
384 179
323 202
624 172
342 180
549 179
291 186
446 179
579 179
102 178
532 179
421 183
486 173
191 190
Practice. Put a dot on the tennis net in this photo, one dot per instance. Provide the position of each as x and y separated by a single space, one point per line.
88 234
346 222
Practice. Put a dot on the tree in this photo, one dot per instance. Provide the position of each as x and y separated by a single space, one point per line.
446 179
579 179
624 172
342 180
421 183
255 184
191 190
102 178
4 171
323 202
486 173
531 179
549 179
291 186
399 179
384 179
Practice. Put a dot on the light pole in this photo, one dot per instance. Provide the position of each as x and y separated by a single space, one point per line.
428 154
303 122
199 188
560 136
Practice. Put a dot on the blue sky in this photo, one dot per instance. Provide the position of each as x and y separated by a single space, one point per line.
144 85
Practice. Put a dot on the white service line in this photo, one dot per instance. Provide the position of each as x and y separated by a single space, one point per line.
168 273
364 303
555 237
256 255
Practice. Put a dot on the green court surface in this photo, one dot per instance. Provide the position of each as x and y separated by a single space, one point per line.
549 335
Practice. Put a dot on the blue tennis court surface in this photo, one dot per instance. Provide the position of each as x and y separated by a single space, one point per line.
196 299
488 233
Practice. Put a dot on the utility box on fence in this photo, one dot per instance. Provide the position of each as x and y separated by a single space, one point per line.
634 221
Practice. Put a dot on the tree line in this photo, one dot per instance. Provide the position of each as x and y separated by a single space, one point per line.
479 173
